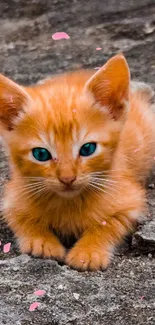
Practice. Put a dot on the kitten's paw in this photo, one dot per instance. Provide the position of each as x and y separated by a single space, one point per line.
88 258
44 247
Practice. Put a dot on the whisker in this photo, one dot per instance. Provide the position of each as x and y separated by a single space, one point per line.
30 191
39 179
102 190
106 180
35 184
109 174
106 186
98 192
36 194
107 171
29 186
89 187
39 193
33 178
111 186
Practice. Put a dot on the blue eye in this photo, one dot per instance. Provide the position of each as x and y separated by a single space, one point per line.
41 154
88 149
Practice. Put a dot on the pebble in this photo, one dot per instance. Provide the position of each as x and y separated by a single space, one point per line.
76 295
151 185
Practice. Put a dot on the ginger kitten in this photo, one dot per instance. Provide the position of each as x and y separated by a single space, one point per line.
80 146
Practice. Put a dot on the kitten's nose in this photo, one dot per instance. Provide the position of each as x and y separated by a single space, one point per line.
67 180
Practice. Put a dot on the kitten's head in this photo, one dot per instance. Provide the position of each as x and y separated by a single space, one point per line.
62 134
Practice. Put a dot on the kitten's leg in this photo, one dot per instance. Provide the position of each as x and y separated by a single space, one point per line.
45 245
29 225
94 250
33 236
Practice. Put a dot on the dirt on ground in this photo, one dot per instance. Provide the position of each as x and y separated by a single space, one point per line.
125 293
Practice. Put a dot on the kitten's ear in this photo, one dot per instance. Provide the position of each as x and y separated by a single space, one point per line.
13 99
110 86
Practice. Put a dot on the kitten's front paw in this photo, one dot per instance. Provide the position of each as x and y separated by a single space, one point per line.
42 246
88 258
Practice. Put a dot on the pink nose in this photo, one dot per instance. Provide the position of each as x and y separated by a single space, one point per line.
67 180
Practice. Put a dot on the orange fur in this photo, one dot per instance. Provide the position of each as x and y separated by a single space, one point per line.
105 192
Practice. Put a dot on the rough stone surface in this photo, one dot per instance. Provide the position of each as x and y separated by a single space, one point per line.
146 236
125 293
122 295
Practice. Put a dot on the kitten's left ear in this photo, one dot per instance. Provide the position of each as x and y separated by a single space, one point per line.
13 99
110 86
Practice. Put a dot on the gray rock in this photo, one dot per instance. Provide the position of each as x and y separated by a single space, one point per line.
145 238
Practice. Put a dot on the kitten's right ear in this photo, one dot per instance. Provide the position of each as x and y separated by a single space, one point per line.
13 99
110 86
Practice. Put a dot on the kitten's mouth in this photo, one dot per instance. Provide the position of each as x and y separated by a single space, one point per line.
69 192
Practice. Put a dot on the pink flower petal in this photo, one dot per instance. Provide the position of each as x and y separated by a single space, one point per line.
97 68
104 223
98 48
60 35
39 292
136 150
142 297
34 306
0 243
6 248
